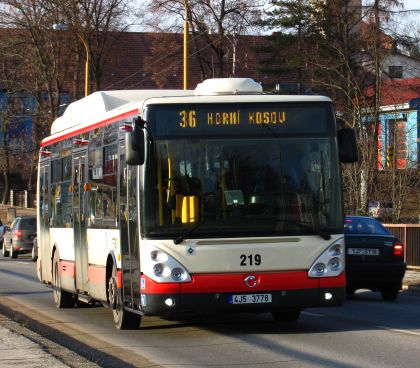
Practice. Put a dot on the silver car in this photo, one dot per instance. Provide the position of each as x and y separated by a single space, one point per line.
18 239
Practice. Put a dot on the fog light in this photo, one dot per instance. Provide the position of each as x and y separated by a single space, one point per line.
328 296
170 302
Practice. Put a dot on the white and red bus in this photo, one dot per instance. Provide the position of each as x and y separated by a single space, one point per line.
218 198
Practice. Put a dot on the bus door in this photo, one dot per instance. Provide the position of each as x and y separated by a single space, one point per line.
80 191
44 216
129 232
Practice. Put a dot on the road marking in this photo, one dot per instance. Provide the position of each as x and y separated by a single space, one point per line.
313 314
407 332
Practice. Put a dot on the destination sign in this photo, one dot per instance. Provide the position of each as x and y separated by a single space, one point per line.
240 119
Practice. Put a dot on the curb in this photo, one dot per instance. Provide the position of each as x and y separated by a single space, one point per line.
411 288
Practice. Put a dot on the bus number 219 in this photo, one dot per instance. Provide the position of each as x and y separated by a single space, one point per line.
250 260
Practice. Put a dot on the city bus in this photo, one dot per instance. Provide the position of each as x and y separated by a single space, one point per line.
222 198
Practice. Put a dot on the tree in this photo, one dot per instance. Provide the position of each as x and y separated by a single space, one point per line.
214 26
295 21
345 49
98 24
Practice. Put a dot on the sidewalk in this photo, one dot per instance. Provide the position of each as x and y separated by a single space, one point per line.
23 348
411 280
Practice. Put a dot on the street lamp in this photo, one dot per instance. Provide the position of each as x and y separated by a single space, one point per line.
65 27
186 46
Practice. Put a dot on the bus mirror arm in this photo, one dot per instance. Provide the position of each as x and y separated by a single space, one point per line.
347 146
134 144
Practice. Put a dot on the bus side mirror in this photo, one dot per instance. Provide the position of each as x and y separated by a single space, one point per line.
347 146
134 144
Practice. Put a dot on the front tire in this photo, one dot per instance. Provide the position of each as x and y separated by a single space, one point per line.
34 257
286 315
4 252
350 292
62 299
390 293
123 320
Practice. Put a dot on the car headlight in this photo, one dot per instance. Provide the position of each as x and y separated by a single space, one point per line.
330 263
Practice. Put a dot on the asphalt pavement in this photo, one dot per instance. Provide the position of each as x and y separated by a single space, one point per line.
24 348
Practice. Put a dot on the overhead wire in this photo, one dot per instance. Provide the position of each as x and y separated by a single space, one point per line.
155 61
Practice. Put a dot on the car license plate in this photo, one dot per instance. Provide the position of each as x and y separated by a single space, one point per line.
249 298
363 251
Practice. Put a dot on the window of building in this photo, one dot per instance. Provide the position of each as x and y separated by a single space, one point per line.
395 71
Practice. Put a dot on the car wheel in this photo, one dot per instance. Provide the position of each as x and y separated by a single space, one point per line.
123 319
34 256
4 252
390 293
62 299
286 315
13 252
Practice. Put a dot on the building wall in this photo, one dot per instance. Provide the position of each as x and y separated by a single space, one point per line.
410 67
398 132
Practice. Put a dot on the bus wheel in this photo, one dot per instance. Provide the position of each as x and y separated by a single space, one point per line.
13 252
62 299
123 319
286 315
390 293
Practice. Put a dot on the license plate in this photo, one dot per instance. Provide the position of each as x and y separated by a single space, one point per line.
363 251
249 298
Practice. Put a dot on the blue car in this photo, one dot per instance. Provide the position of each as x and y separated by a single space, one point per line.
374 257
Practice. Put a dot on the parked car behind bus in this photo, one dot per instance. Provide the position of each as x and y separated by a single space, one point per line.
374 257
18 239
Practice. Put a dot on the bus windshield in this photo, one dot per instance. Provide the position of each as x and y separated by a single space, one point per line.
241 187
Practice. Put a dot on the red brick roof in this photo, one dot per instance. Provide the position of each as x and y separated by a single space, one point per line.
399 91
155 60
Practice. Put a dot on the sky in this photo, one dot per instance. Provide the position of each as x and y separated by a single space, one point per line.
407 22
410 21
411 4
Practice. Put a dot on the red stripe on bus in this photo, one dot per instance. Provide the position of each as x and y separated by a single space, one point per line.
97 274
67 268
339 281
222 283
152 287
47 141
236 282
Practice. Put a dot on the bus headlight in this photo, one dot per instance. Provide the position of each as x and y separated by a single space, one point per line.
177 273
330 263
162 267
334 264
320 268
158 269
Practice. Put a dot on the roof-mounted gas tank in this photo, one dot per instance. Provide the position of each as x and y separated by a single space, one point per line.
228 86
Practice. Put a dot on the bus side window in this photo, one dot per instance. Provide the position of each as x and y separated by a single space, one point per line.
95 177
109 188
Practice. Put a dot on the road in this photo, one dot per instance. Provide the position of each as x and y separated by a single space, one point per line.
365 332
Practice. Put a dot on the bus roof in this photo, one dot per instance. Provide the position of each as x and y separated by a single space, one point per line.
104 107
95 106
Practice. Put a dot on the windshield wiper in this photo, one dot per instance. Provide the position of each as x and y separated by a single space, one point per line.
182 237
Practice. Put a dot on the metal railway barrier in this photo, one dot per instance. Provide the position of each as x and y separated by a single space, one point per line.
409 234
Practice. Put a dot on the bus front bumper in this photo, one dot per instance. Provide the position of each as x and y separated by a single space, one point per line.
223 296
